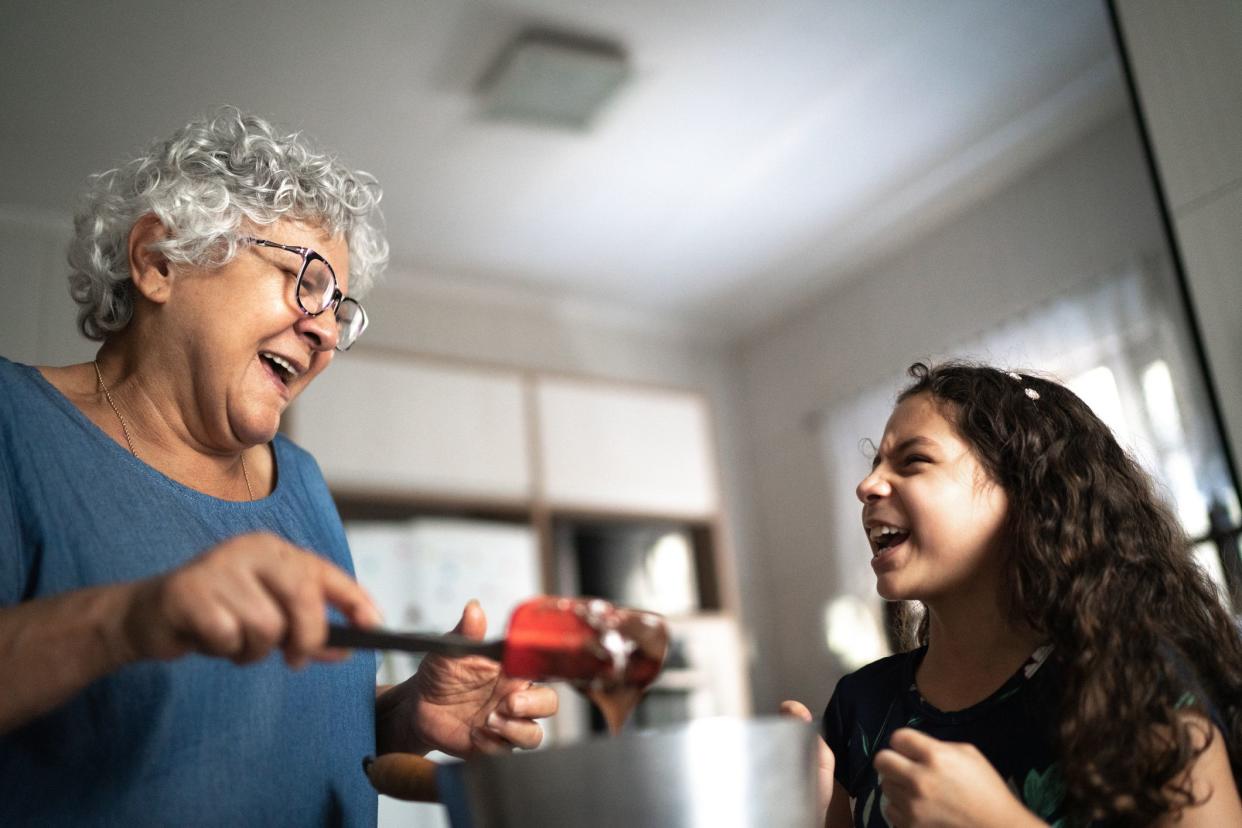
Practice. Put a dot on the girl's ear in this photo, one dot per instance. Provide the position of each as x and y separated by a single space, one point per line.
148 267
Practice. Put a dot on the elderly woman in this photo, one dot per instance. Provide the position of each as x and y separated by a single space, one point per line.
156 531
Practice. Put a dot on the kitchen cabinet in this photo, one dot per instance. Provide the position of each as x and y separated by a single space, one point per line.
412 426
613 485
620 447
381 424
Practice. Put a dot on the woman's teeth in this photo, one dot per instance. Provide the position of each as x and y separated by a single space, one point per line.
284 369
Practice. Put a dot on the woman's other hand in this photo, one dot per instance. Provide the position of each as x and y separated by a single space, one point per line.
462 706
925 782
241 600
826 762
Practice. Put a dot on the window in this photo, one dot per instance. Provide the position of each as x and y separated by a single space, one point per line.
1120 343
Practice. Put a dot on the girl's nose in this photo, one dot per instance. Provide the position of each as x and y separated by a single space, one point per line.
873 487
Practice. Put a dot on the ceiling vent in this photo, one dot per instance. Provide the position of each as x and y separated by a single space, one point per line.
553 79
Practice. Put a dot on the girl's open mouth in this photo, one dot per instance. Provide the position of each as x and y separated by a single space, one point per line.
886 537
885 545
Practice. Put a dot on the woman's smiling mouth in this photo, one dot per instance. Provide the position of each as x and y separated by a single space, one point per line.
283 368
280 371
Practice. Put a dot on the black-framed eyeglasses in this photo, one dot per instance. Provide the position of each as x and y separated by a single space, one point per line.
317 291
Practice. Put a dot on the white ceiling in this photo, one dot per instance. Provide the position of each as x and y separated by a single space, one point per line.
759 151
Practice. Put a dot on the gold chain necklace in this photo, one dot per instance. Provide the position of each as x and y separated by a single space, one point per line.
125 427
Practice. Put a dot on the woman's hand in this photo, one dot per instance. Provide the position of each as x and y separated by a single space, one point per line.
926 782
242 599
826 762
462 706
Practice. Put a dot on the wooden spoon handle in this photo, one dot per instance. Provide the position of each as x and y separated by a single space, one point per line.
405 776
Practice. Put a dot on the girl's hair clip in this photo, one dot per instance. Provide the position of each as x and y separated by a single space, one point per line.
1030 392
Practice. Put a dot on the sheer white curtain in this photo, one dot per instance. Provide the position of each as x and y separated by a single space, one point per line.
1119 342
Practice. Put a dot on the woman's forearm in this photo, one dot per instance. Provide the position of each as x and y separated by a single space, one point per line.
52 648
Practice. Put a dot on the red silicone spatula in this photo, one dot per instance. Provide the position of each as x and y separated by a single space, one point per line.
584 640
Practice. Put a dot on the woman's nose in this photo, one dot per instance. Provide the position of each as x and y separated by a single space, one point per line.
873 487
320 331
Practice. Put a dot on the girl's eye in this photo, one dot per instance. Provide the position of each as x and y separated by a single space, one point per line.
915 458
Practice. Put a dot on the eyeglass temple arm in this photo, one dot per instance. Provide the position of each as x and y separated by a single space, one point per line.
292 248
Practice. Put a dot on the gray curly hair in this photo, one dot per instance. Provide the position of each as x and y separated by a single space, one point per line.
202 183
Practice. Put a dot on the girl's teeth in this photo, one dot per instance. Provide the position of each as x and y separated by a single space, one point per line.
885 537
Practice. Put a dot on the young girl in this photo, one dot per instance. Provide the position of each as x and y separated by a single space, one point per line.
1075 666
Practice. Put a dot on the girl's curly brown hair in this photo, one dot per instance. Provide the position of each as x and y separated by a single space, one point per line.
1102 570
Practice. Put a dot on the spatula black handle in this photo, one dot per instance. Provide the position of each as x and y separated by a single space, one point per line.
448 644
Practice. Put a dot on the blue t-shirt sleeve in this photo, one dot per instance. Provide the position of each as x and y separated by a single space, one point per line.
13 565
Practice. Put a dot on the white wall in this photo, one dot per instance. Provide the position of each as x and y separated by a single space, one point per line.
1083 213
1187 58
39 324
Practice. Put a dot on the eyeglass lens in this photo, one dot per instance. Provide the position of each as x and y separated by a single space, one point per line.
351 321
316 287
316 290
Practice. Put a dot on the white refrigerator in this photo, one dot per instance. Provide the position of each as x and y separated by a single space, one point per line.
421 573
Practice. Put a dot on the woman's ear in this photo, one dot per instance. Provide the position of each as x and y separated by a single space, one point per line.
148 267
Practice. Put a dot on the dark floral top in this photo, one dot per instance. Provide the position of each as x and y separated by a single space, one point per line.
1013 728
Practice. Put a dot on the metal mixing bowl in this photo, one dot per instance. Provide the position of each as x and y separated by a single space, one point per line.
707 772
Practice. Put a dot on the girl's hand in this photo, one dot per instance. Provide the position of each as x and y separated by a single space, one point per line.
927 783
826 761
462 706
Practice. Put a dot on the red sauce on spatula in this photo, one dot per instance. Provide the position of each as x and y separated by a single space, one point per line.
609 654
638 641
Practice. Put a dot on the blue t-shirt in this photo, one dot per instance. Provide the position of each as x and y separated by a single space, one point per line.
196 741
